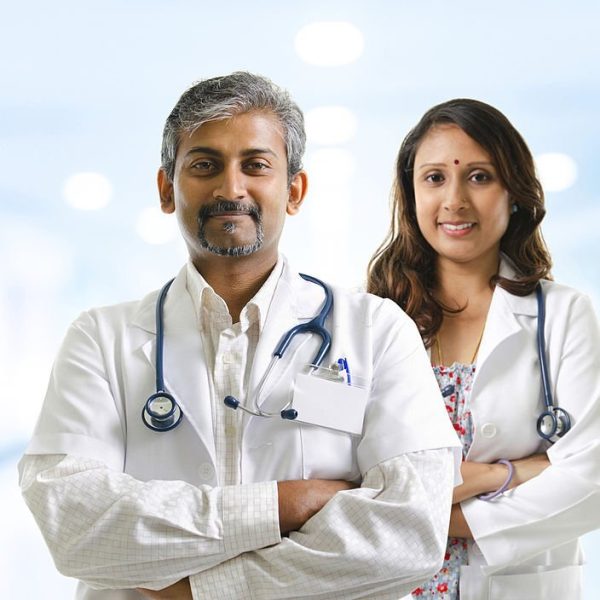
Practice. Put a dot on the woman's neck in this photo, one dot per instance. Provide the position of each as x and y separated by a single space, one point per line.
466 287
462 284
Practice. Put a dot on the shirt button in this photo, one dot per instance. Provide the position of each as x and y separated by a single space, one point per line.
227 358
205 471
488 430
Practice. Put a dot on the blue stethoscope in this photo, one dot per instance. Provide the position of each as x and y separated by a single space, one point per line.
554 421
161 411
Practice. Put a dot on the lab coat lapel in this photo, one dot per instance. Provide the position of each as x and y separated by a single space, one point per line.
502 322
185 369
293 303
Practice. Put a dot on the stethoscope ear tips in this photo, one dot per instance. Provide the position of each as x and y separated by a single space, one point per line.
289 414
231 402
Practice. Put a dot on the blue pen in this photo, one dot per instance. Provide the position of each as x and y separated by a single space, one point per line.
343 364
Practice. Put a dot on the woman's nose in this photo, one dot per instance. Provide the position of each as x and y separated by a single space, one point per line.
455 198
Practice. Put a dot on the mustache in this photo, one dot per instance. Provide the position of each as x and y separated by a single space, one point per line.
226 206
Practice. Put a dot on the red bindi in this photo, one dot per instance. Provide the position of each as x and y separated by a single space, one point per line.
456 161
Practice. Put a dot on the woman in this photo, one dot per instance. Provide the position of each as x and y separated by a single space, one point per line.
463 258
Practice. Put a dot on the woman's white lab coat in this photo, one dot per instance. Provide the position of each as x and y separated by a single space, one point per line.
526 544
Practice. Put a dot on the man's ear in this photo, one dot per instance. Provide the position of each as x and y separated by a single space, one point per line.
165 191
297 192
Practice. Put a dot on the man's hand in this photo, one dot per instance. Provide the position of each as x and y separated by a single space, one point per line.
300 499
178 591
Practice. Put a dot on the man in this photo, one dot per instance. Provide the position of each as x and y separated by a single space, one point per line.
219 503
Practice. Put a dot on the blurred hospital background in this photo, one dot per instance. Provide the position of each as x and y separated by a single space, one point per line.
86 86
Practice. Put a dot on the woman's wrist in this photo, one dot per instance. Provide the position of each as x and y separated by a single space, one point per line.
508 472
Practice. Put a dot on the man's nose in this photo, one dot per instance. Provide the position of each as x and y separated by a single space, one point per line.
230 185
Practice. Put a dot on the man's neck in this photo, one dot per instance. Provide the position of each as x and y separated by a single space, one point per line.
236 279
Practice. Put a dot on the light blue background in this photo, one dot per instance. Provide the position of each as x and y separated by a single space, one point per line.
86 86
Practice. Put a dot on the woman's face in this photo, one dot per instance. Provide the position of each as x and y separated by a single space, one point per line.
461 205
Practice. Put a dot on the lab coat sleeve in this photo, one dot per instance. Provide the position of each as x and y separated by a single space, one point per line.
563 502
406 412
378 541
113 531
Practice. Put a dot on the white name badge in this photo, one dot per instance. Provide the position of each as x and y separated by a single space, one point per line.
331 404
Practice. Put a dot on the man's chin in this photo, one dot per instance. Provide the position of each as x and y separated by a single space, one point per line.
237 250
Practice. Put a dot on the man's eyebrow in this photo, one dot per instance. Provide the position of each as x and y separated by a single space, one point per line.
203 150
217 153
253 151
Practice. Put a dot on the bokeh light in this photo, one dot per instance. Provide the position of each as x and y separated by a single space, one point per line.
329 43
557 171
88 191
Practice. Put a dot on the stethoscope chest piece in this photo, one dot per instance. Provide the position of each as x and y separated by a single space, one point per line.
161 412
553 423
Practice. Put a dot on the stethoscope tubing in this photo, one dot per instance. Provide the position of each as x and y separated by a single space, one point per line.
315 325
559 419
159 422
160 336
554 421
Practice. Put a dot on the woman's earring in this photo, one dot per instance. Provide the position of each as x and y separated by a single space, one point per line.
513 209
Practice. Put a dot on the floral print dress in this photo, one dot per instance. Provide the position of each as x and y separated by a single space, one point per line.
455 384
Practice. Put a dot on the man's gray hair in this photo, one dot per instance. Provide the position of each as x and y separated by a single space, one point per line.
224 97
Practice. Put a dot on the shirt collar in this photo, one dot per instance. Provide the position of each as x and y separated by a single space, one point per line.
205 298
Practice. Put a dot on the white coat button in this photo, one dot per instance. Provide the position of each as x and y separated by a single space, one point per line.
205 471
488 430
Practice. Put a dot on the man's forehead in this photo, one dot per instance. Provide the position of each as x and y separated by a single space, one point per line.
260 128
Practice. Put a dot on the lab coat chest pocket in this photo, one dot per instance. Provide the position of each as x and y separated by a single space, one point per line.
563 583
328 454
557 584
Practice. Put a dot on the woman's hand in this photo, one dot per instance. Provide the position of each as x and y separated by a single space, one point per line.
481 478
528 468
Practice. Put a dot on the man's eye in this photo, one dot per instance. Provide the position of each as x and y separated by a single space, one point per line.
203 165
256 166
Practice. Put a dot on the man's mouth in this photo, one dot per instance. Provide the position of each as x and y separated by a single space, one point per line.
228 208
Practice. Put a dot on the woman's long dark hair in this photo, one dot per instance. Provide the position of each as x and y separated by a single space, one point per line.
404 267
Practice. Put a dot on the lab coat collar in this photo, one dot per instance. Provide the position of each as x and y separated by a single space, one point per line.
502 322
200 291
185 371
519 305
145 316
294 301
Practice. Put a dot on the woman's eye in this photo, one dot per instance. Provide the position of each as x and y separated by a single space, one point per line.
434 178
480 177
